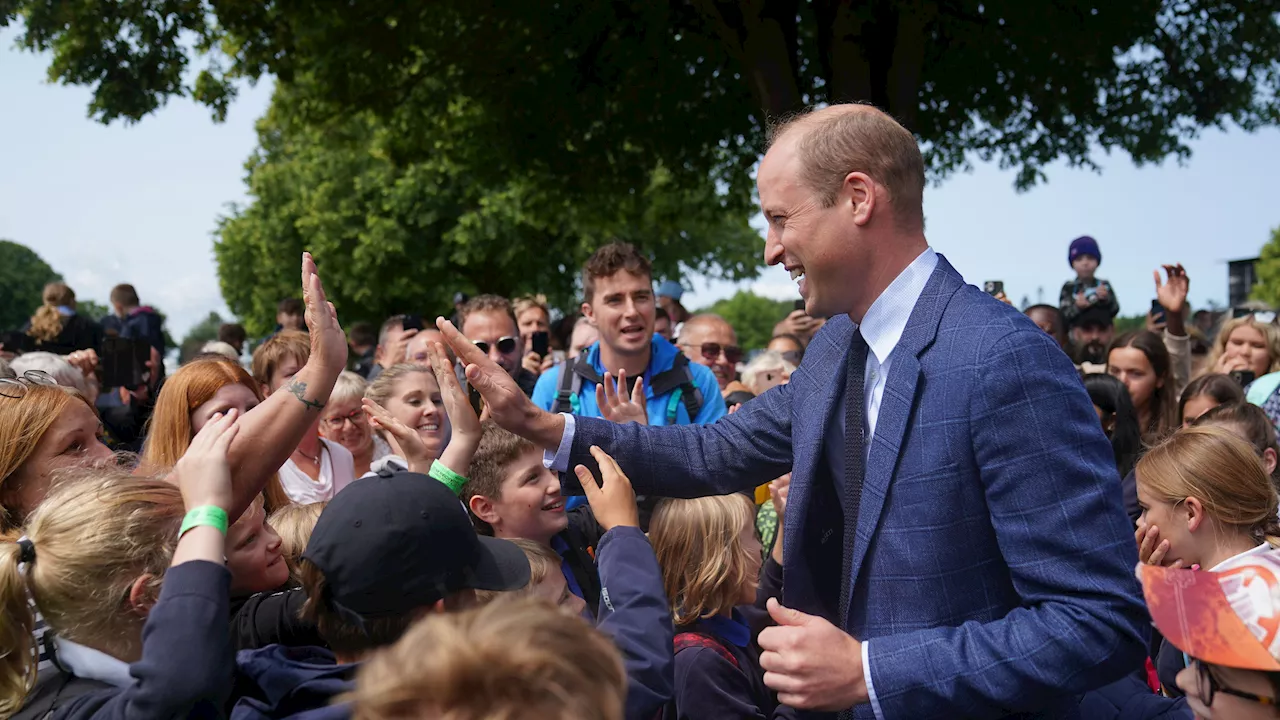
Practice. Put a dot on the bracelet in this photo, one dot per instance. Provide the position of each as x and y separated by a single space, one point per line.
451 479
209 515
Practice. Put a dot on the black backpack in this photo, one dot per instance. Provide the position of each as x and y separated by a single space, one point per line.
678 381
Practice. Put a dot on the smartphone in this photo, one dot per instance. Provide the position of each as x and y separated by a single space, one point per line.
1244 377
1158 314
799 304
412 322
124 362
17 342
477 402
993 287
541 342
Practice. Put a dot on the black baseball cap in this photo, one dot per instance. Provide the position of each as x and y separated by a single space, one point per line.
1094 316
398 541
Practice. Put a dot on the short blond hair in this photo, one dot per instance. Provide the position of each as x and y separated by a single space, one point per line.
294 523
698 543
349 386
841 139
282 346
509 660
96 533
543 562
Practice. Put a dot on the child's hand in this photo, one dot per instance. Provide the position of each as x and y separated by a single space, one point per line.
203 474
617 404
404 441
1102 292
1082 301
778 490
613 501
456 405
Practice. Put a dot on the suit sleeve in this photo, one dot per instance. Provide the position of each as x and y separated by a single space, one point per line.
741 451
1055 506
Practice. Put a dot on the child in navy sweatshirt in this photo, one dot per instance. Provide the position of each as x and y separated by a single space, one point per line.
93 560
711 569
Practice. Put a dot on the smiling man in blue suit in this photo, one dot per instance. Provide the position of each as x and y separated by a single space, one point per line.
956 545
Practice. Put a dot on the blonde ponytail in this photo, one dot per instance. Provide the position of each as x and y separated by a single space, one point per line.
46 323
18 653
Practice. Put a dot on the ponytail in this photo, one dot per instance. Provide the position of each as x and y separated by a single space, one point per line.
46 324
18 653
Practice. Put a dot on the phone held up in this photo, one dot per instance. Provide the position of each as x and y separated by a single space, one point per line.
994 288
1158 314
540 343
412 322
1244 377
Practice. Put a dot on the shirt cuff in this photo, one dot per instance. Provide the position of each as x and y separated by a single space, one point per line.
559 461
866 674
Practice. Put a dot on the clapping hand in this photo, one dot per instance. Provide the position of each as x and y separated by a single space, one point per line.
467 429
613 500
328 342
617 404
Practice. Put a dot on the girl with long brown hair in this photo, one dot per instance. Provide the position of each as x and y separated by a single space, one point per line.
1140 360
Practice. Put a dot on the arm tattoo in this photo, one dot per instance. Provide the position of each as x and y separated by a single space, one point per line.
299 389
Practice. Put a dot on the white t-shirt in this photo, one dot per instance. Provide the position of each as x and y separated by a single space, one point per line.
337 470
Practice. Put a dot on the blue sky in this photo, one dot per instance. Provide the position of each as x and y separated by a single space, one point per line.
110 204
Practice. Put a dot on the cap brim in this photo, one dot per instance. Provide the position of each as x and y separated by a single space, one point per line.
502 566
1192 611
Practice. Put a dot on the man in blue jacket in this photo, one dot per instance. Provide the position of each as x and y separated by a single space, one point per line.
617 284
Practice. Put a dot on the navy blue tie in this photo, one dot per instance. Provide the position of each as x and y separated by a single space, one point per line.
855 458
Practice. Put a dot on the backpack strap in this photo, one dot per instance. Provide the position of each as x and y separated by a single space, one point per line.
679 382
692 639
571 376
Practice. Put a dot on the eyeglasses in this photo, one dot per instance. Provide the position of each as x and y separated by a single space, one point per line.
711 351
506 345
1208 686
16 388
355 417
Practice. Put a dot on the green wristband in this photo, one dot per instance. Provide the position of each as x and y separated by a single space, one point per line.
451 479
210 515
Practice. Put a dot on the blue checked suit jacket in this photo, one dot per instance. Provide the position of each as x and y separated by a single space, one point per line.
993 567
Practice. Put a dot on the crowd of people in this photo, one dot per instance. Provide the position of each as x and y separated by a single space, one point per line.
382 523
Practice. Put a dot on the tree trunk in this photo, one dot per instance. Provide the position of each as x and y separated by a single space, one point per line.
761 36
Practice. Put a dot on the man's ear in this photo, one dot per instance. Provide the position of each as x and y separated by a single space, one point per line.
859 191
588 312
482 507
142 596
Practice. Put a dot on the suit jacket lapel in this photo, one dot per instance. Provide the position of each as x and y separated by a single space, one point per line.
807 438
897 404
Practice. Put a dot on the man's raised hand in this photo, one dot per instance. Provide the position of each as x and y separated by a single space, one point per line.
328 343
619 405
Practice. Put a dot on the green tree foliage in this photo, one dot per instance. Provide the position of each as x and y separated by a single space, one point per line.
752 317
1268 270
1125 323
581 87
23 276
202 332
91 309
401 213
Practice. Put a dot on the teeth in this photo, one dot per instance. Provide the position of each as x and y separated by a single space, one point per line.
797 273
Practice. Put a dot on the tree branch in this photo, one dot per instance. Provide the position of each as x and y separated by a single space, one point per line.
760 35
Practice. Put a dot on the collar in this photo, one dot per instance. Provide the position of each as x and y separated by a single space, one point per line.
85 662
732 629
886 319
1264 547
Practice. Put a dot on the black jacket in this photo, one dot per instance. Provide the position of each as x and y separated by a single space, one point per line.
271 618
78 333
582 536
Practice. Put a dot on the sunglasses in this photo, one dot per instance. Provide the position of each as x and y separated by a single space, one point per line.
1208 686
506 345
16 388
711 351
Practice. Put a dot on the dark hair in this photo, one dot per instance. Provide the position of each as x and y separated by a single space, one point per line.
498 448
343 636
1059 324
362 333
1215 385
232 333
1257 427
609 260
1112 397
1164 401
124 294
660 313
291 306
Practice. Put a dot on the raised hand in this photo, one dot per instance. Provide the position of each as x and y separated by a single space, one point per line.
203 474
778 490
404 440
619 405
465 437
1172 294
503 399
613 501
328 343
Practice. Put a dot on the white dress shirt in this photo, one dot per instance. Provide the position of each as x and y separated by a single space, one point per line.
882 327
